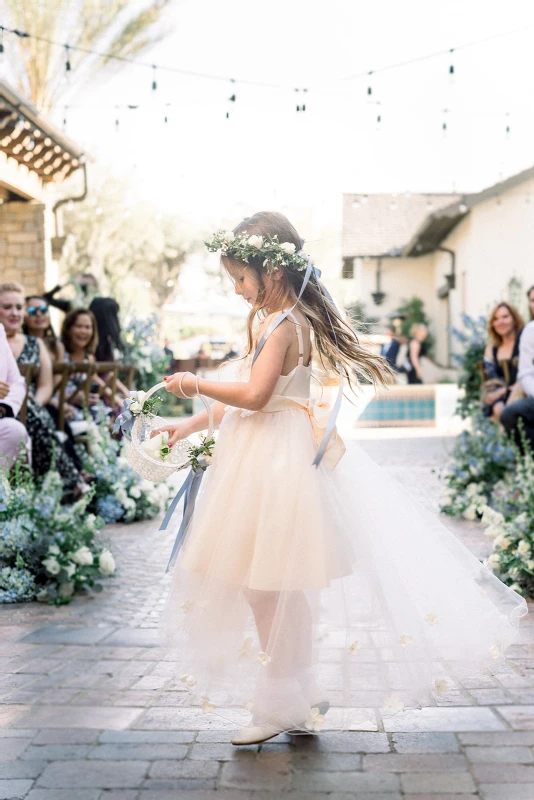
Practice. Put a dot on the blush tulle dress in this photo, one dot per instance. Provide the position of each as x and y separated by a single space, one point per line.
299 586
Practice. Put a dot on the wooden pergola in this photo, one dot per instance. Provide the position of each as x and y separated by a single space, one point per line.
30 139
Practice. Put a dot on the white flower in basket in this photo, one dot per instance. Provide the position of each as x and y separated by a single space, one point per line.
150 456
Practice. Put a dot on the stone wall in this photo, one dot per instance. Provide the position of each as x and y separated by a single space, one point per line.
23 244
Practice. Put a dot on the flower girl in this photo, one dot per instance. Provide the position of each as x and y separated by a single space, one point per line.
309 590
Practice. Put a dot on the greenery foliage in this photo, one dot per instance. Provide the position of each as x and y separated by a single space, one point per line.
413 311
473 340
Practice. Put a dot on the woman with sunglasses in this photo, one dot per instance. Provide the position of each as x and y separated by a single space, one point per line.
37 323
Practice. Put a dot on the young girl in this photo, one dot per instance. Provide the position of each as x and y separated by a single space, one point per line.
304 587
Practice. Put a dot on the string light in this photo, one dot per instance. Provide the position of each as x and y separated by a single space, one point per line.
369 85
444 122
154 81
301 106
67 59
1 40
231 99
451 67
206 76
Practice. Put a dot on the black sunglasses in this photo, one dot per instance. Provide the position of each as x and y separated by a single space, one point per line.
31 311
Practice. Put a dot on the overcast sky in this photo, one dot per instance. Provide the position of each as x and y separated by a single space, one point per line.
267 155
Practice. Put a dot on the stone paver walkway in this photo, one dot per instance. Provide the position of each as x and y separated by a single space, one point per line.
90 708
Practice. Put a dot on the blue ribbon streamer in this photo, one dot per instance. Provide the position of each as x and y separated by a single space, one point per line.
189 491
124 422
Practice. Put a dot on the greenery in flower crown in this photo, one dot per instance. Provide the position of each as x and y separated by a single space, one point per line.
205 448
242 247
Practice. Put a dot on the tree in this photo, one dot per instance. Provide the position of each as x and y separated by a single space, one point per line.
123 28
119 241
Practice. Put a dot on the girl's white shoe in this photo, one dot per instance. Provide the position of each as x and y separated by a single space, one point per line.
255 734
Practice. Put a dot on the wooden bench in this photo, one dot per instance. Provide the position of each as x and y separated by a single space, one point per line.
109 372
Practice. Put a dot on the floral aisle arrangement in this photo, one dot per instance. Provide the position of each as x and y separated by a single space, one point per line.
48 552
480 465
509 523
488 477
141 349
120 494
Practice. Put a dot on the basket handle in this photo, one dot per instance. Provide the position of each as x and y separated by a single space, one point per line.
162 385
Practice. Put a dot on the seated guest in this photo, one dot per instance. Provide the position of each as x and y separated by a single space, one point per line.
522 411
37 324
39 424
80 339
14 439
390 350
501 360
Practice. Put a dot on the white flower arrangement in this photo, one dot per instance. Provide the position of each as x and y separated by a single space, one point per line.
243 247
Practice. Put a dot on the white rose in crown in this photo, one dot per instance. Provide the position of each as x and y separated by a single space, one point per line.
138 401
288 247
255 241
229 236
153 447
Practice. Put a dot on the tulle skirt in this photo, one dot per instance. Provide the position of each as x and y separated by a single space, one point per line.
298 586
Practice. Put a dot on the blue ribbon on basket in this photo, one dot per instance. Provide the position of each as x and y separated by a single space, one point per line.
125 420
189 491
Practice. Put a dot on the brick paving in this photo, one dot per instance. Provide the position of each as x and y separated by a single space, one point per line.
90 708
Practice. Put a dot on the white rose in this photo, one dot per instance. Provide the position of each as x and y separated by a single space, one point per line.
530 564
470 513
472 489
229 236
66 589
153 446
208 460
491 517
255 241
70 569
82 556
493 531
135 492
494 561
52 565
502 541
106 562
288 247
135 407
523 547
54 550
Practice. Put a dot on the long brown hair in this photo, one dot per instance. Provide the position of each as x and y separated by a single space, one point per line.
335 341
496 339
68 324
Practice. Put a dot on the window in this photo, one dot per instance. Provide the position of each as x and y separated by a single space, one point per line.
347 270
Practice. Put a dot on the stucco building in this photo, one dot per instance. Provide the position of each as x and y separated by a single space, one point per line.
458 253
34 157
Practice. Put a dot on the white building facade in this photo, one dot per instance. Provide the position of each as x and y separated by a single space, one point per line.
463 255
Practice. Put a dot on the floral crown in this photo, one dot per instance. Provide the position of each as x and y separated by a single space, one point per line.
274 253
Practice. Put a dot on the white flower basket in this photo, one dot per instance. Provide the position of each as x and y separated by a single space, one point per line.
154 469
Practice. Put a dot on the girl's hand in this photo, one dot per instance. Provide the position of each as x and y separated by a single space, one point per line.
187 382
176 431
4 389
